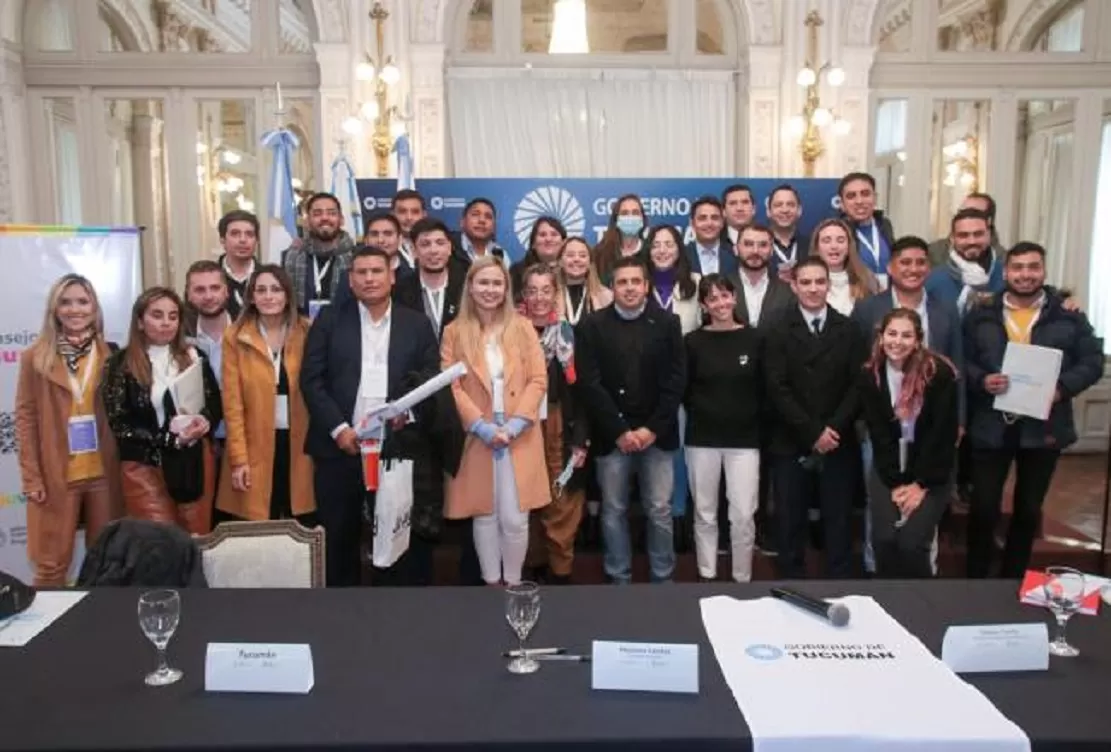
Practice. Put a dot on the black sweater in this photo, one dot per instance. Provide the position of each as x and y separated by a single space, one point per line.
724 395
933 451
631 375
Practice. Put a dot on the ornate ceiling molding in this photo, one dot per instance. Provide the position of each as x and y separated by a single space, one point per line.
860 22
330 23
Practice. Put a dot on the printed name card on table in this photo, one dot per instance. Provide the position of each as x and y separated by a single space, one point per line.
644 667
988 648
1032 591
258 667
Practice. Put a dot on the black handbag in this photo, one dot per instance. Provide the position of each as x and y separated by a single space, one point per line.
15 597
183 471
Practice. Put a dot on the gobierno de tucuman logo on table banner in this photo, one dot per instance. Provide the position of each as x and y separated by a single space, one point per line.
33 258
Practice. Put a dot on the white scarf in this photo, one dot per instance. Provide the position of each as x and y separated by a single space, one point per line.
840 293
972 274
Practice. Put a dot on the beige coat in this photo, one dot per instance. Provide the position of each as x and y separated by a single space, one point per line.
471 492
248 392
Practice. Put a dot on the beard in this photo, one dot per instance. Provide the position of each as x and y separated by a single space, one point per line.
754 263
214 311
325 234
1012 290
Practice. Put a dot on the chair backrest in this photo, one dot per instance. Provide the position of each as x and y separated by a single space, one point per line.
269 554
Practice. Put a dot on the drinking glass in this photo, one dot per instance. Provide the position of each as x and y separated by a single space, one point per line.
159 613
1064 593
522 609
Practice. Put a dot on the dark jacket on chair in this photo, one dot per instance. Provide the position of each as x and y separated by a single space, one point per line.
932 454
140 553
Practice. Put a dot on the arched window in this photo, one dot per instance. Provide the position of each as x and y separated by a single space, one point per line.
590 88
1065 33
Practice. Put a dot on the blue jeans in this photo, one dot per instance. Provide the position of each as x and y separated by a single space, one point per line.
654 469
681 485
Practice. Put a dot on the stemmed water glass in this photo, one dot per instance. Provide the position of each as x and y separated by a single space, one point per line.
1064 594
159 613
522 610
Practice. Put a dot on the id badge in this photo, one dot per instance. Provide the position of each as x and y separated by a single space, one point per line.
315 307
281 412
82 435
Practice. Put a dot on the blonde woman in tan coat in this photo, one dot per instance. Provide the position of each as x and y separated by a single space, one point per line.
266 474
502 475
67 455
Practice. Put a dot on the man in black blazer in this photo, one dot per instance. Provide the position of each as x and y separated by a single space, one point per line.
812 363
437 288
358 355
762 297
709 253
907 271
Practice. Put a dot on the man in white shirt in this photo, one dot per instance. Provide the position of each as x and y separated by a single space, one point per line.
740 209
708 253
358 355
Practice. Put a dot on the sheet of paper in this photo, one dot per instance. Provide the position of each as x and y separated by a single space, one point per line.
1033 371
20 629
1032 591
803 684
187 390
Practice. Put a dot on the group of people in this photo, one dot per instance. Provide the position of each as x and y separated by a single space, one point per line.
808 374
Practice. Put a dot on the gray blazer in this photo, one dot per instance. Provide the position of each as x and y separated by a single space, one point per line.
944 331
777 299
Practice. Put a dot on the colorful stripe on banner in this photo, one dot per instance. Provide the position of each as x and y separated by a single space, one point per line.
65 230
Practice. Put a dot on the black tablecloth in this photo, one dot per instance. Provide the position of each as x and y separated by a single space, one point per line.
422 668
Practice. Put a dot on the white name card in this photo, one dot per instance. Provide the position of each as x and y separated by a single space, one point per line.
644 667
258 667
988 648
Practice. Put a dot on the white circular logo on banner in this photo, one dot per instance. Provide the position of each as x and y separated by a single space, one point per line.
548 201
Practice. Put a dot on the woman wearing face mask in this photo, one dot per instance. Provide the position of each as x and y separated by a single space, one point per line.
675 289
723 427
68 463
909 398
623 235
563 424
545 241
502 475
266 473
583 291
167 466
849 278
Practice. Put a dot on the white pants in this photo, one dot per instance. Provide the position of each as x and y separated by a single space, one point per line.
501 538
742 489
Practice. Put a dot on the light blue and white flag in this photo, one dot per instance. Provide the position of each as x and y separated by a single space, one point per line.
343 188
282 210
406 179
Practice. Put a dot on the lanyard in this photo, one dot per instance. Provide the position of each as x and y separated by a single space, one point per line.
1022 334
786 259
664 304
319 272
78 388
435 299
275 355
406 254
873 247
573 314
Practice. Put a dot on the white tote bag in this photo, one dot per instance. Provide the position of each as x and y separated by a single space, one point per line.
393 511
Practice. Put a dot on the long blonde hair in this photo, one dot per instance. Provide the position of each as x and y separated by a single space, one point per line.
594 286
861 280
467 324
45 347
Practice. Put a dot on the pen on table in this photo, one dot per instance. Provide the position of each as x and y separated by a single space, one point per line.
533 652
562 657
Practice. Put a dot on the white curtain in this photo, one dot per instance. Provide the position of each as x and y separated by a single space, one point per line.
891 126
1067 32
1046 194
1099 290
591 123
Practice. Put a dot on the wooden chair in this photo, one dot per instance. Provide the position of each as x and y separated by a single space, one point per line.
268 554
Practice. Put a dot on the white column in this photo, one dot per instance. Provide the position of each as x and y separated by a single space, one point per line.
853 150
766 118
1002 181
1087 140
429 127
187 239
15 203
337 61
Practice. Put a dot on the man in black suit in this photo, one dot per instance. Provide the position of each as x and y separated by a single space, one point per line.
812 360
437 287
763 297
358 355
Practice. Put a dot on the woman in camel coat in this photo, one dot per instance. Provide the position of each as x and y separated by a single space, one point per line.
266 473
502 475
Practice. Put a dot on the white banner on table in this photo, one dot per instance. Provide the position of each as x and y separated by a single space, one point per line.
803 684
35 257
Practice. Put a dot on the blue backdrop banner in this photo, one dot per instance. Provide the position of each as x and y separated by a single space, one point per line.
584 205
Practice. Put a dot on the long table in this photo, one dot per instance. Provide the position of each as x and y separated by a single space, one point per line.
398 669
